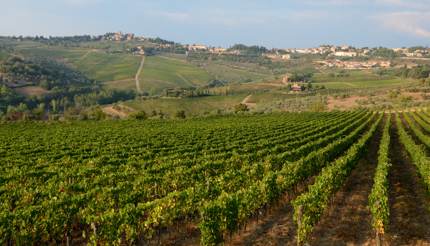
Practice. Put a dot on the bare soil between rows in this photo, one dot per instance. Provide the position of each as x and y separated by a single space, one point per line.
409 200
348 220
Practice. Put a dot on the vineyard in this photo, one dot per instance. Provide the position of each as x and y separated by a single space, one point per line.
218 180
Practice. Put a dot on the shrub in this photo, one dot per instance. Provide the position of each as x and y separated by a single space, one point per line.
241 108
180 114
141 115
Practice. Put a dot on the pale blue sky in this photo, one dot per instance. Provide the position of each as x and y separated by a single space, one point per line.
273 23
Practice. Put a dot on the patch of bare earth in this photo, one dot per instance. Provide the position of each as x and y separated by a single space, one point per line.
183 233
409 201
343 103
248 102
417 96
31 91
117 111
275 227
348 220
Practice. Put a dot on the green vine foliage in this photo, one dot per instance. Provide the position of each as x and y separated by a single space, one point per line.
416 152
120 182
378 198
309 206
275 183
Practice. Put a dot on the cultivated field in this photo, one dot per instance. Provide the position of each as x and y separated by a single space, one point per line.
166 72
280 179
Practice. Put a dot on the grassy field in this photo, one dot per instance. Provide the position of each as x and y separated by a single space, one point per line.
127 84
95 64
108 67
3 55
233 72
350 76
70 55
166 72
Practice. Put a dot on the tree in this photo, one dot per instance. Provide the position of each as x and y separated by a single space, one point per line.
96 114
301 76
54 105
241 108
180 114
139 115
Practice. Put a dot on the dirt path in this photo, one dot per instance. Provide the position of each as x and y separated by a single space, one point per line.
348 220
87 54
184 79
247 102
110 110
409 203
139 71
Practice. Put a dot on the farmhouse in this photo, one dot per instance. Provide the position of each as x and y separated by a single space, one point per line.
286 57
296 87
277 56
218 50
197 47
139 50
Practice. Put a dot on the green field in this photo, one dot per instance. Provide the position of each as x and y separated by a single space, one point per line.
349 76
237 73
127 84
69 55
108 67
166 72
98 65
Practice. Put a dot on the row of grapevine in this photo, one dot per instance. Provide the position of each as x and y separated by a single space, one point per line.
309 206
417 152
378 198
415 128
220 216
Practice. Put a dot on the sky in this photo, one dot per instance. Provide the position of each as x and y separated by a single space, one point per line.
271 23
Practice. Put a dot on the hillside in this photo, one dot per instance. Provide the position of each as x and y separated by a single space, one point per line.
113 64
32 86
175 78
161 72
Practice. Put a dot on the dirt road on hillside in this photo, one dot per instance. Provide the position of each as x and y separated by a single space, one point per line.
139 71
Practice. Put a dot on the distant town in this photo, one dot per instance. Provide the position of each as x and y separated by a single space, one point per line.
325 56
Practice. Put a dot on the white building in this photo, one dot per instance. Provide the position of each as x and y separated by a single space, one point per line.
196 47
345 54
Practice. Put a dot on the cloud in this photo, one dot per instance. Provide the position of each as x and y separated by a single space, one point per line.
411 4
413 23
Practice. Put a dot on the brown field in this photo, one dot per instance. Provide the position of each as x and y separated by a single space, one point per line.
343 103
32 91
